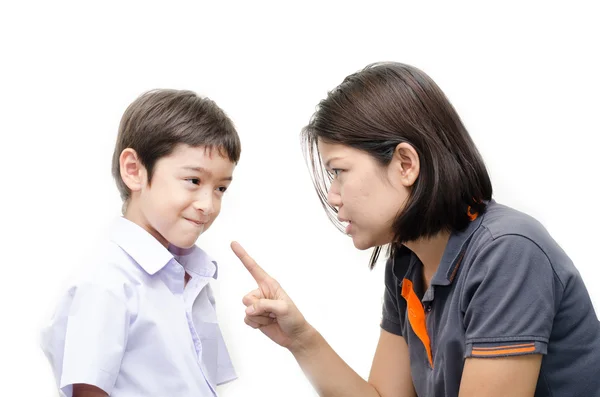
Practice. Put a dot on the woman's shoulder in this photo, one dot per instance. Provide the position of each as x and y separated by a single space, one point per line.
512 231
501 220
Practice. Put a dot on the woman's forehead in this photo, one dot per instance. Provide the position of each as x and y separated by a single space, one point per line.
328 149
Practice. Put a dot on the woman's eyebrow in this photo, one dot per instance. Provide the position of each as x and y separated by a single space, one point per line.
327 164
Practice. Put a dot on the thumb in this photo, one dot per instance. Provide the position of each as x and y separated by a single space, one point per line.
267 306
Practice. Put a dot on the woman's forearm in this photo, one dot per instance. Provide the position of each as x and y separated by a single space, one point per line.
327 372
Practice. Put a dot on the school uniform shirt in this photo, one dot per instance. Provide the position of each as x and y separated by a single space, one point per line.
131 328
503 288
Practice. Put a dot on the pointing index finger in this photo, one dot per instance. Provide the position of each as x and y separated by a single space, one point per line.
256 271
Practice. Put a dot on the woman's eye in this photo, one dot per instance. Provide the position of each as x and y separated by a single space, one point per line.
335 172
222 189
195 181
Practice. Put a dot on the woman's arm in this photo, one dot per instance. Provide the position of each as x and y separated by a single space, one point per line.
331 376
515 376
271 310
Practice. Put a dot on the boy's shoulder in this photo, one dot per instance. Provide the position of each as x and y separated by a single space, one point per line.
107 267
129 258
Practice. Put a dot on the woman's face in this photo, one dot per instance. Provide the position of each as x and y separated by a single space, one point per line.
367 195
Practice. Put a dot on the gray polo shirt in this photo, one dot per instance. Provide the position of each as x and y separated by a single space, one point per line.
503 288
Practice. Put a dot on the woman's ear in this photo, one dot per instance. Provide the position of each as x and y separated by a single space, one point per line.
405 164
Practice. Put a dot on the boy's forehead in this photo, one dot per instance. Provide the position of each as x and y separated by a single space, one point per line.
185 153
201 159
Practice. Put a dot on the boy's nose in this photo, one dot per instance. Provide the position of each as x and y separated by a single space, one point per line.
205 205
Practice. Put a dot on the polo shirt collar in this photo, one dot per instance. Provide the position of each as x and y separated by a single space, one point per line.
455 248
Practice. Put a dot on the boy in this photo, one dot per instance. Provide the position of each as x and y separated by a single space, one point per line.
142 322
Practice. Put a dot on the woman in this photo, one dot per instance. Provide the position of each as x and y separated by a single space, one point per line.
479 299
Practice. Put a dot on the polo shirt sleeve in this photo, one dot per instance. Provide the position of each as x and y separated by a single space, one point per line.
508 299
95 330
390 320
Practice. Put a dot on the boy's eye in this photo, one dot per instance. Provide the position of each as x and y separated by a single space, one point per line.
195 181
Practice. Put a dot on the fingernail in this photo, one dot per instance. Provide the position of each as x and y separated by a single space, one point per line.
250 309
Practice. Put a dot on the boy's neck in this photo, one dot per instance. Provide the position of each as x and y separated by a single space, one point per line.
135 215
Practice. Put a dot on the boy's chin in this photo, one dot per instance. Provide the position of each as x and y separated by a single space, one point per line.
184 243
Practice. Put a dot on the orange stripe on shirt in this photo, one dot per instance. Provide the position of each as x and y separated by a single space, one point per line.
504 347
477 353
472 215
416 316
457 266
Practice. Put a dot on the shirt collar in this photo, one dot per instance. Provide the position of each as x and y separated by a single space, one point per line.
455 248
152 256
195 260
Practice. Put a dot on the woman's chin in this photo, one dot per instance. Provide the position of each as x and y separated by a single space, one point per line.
361 244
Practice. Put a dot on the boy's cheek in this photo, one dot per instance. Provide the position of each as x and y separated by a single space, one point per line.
213 218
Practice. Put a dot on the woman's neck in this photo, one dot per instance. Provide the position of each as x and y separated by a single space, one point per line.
429 251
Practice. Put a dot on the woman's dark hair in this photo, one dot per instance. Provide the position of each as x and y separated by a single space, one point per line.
382 106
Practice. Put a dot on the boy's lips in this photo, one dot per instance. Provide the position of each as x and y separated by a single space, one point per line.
196 222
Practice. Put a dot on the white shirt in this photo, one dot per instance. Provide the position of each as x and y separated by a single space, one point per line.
129 326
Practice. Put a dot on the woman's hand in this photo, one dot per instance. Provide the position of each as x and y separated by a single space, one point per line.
270 309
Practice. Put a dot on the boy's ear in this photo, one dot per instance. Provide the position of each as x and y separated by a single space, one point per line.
133 172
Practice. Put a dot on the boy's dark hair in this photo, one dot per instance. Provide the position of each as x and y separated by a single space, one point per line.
382 106
159 120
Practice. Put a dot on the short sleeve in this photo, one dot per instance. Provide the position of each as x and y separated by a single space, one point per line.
87 339
390 320
508 299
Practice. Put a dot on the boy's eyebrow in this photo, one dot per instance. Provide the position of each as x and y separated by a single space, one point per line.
205 171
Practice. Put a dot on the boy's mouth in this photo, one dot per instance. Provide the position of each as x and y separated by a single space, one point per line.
195 222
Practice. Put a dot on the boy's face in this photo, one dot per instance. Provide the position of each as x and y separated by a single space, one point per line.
184 196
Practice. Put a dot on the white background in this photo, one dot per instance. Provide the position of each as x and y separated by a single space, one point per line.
524 78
